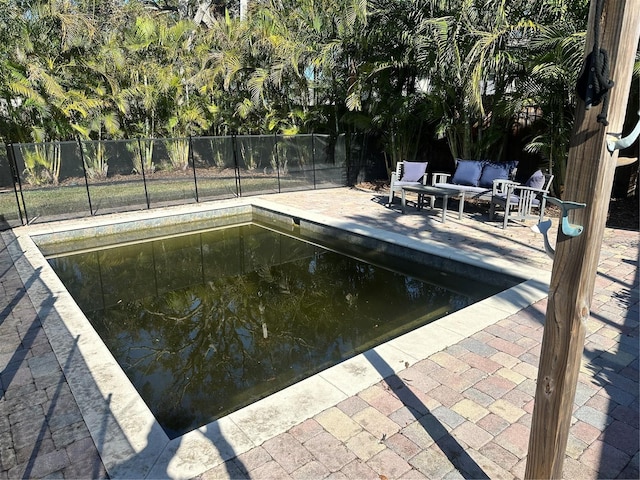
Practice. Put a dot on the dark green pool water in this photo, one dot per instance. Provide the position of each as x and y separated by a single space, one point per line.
206 323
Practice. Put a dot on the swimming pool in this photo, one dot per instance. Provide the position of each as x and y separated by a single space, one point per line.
130 440
206 323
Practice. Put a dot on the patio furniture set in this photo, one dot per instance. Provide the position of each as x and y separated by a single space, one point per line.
480 180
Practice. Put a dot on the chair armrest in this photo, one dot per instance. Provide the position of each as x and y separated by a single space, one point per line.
526 195
394 178
439 177
501 185
535 191
398 170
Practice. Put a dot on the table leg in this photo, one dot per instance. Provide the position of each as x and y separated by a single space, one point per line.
461 205
445 200
404 200
421 199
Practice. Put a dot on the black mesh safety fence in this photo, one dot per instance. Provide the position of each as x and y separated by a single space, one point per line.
43 182
51 180
10 202
114 175
214 167
257 164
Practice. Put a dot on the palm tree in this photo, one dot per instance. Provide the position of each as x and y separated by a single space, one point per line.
44 80
553 68
391 69
478 55
222 77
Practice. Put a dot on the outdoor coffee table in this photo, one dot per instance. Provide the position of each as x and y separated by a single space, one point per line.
434 192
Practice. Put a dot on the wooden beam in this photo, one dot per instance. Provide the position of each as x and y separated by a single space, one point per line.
590 171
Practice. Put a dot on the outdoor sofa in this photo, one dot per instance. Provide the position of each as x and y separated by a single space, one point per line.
475 177
495 183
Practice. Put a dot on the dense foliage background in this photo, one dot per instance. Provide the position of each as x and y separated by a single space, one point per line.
406 73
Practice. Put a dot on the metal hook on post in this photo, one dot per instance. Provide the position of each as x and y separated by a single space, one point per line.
614 142
543 228
569 229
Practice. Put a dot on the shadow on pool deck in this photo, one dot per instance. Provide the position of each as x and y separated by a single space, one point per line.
453 450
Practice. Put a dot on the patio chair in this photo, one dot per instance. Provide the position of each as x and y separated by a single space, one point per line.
520 200
407 174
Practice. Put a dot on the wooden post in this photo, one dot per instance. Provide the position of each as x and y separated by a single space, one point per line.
590 172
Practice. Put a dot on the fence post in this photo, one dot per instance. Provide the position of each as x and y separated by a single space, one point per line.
144 178
313 158
84 170
234 145
347 154
275 149
590 171
16 180
193 164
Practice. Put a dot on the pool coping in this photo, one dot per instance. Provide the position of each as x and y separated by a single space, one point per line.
130 441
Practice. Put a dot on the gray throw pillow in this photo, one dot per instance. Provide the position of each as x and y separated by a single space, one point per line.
467 172
413 171
491 172
536 180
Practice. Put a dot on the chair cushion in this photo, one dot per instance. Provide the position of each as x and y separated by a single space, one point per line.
536 180
493 171
400 184
413 171
515 199
467 172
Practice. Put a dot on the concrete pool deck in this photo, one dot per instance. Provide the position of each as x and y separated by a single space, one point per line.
457 406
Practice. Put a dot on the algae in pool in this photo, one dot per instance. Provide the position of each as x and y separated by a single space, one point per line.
207 323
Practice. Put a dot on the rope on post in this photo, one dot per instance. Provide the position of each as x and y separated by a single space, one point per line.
594 83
